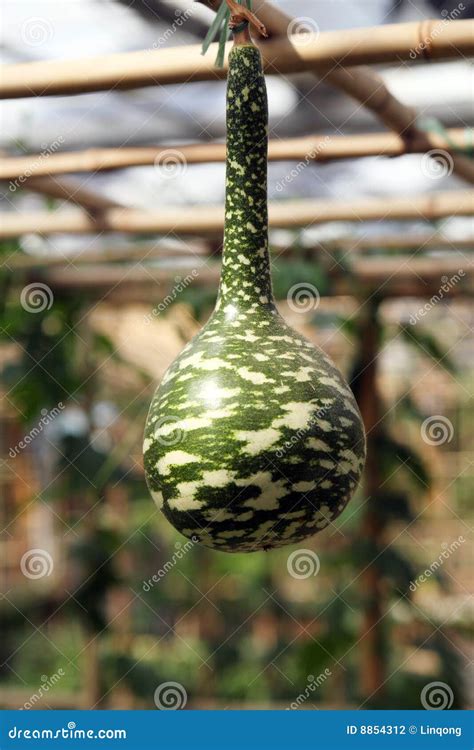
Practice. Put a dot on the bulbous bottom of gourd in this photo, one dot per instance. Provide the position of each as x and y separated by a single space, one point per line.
253 439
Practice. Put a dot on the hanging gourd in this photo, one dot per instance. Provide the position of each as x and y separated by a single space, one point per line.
253 439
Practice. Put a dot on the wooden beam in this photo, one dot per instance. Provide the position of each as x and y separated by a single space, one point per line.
209 220
142 251
400 242
65 189
365 85
397 277
150 251
381 44
319 148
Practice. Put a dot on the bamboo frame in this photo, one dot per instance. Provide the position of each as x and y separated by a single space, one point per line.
142 251
69 191
392 276
399 242
365 85
200 220
151 251
310 148
183 64
64 189
145 252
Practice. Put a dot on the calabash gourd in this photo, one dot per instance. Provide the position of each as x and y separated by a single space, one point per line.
253 439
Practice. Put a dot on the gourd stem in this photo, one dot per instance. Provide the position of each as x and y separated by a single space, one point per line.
245 276
241 16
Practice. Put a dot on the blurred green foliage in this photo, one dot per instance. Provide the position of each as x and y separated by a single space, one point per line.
230 628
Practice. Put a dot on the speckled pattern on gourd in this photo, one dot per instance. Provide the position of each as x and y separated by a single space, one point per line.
253 439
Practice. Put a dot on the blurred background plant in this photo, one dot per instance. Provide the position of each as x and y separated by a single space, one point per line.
95 582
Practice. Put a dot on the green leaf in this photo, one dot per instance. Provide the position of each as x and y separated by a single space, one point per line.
428 346
394 454
223 38
215 30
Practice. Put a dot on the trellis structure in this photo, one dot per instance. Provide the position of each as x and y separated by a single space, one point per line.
321 54
329 55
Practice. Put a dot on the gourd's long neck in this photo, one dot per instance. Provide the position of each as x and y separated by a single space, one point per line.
245 278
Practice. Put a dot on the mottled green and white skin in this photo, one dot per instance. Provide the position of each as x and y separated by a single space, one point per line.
253 438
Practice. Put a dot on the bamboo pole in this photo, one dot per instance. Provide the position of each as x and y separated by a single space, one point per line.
401 242
367 86
64 189
207 220
420 277
311 148
151 251
55 187
381 44
143 251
